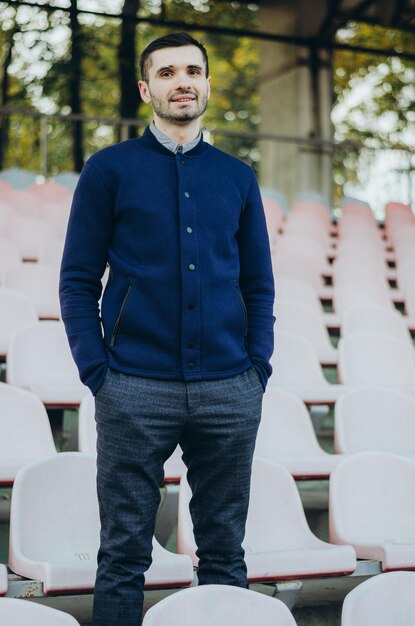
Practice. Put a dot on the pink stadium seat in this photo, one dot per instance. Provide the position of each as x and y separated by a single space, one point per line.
54 529
29 234
297 371
372 508
39 283
3 580
9 257
300 292
305 322
16 310
368 318
26 435
221 605
40 361
286 436
381 601
375 418
376 359
18 612
278 542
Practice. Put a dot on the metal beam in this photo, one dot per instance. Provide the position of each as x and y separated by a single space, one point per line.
307 42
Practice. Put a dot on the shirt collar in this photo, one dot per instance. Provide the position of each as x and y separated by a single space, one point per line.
172 145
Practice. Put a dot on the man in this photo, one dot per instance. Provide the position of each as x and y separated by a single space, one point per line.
187 328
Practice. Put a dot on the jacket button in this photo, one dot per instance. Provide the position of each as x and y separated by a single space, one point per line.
189 230
190 306
190 365
186 194
191 344
183 162
192 267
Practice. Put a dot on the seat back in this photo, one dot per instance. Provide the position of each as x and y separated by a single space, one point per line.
55 499
285 429
372 500
16 310
375 359
381 601
39 354
294 362
307 323
371 318
221 605
25 430
375 418
276 518
18 612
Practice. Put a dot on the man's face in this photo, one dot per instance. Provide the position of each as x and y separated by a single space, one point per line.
177 88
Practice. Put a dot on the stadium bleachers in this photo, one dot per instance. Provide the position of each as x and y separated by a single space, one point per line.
349 279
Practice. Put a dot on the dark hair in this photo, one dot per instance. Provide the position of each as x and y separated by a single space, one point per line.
174 40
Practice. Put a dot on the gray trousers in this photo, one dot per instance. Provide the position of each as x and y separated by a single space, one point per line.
139 423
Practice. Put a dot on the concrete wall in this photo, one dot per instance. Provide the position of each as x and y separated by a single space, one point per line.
295 101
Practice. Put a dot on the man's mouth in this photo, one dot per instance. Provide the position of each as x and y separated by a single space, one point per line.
183 98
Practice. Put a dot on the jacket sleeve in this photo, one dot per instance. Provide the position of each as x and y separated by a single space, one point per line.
256 282
83 264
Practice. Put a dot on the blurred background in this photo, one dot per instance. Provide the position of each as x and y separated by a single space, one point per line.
317 96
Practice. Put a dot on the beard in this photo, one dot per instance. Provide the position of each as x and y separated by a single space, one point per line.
166 111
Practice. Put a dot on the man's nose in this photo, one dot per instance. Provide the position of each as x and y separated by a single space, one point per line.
183 80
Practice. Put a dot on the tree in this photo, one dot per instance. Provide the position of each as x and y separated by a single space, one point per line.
384 114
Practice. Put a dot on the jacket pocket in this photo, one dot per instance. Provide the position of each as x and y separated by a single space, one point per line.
117 323
244 311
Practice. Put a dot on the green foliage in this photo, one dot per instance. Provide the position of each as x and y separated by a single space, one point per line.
43 65
385 113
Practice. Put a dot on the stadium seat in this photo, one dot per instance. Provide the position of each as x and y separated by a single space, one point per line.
67 179
303 321
39 359
375 418
57 216
39 283
371 318
372 508
18 178
296 369
278 541
221 605
16 310
18 612
25 433
382 600
29 235
87 441
286 436
9 257
3 580
376 359
50 254
54 529
300 292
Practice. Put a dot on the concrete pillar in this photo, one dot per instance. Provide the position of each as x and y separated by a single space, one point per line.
295 95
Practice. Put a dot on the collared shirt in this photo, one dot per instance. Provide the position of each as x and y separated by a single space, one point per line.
172 145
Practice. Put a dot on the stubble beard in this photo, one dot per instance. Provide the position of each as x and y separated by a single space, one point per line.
165 112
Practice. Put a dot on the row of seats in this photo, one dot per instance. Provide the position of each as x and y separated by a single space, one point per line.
381 601
39 359
54 524
365 418
20 179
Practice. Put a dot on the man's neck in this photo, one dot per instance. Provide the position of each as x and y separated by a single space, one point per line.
179 133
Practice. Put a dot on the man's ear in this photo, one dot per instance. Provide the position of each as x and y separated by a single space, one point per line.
144 91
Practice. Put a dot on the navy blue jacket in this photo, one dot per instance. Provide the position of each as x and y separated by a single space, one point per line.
190 292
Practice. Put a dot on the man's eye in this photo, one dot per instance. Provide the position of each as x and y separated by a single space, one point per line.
166 74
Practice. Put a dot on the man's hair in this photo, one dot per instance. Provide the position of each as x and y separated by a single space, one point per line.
174 40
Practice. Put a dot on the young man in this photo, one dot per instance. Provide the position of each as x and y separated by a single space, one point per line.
187 328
